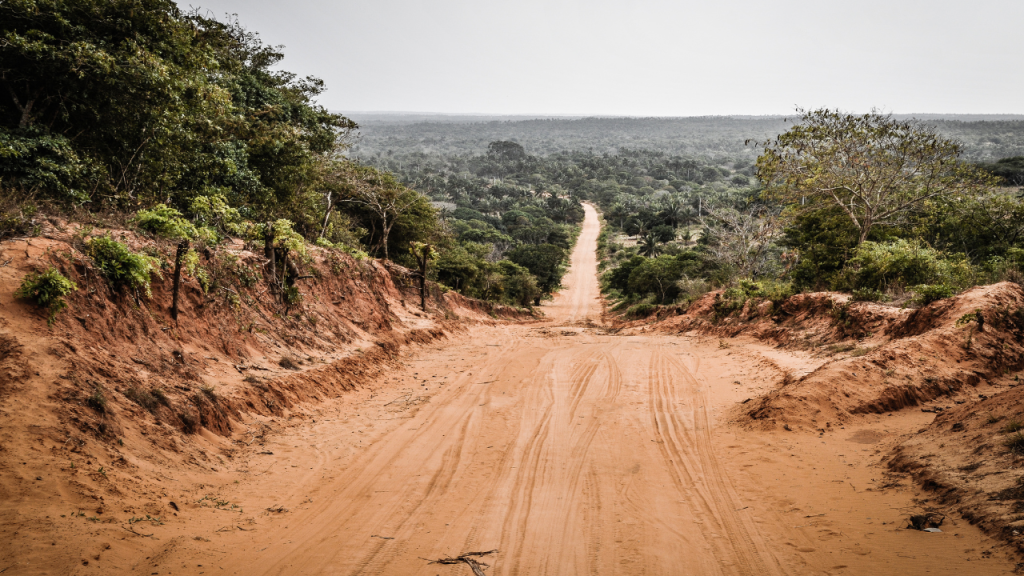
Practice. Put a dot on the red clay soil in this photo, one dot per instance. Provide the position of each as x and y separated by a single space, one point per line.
116 385
882 358
964 457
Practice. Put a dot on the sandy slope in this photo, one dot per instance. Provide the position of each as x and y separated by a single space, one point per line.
568 449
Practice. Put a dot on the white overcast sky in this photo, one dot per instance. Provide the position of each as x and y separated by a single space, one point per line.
649 57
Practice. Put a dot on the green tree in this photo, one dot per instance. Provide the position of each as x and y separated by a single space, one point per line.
873 167
544 261
658 276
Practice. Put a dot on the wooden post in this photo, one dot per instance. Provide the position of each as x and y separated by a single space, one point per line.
268 252
178 257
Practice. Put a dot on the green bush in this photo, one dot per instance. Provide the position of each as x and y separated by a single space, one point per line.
902 263
736 297
166 222
48 290
122 267
691 289
291 295
869 295
642 310
927 293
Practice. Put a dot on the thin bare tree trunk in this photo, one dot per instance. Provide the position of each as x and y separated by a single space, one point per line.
178 257
268 252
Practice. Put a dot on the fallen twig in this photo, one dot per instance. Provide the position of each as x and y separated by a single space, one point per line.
137 533
381 537
467 559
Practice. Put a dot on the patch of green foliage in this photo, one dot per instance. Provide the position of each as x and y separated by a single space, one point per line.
166 222
902 263
122 267
291 295
736 297
868 295
925 294
47 289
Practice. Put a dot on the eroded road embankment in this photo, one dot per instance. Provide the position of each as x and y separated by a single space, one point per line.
568 450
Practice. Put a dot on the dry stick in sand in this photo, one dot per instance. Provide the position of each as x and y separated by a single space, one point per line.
467 559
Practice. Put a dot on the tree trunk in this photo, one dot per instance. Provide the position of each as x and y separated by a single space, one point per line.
384 232
423 282
178 257
268 252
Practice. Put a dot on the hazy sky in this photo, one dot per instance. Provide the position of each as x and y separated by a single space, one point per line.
649 57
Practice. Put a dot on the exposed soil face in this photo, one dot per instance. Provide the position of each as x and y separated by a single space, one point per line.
567 447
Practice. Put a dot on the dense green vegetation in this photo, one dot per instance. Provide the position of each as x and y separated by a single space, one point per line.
134 112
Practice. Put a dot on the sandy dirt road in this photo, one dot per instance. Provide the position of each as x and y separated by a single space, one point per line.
569 450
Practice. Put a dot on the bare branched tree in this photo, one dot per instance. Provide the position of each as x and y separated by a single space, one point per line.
744 239
379 193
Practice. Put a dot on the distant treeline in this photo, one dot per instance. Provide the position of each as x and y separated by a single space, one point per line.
706 136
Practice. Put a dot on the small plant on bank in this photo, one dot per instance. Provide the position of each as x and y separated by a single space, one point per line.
1012 426
97 401
189 423
291 295
642 310
47 289
869 295
209 391
143 398
925 294
122 267
1015 443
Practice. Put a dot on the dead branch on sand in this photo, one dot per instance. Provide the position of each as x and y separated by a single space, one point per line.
467 559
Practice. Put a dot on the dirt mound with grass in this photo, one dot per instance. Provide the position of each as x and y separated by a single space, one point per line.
880 358
116 380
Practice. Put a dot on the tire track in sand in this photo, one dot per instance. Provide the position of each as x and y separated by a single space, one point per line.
684 439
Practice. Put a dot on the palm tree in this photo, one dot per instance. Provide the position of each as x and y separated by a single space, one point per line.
687 217
649 246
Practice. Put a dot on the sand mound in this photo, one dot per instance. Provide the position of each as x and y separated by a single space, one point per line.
884 358
964 457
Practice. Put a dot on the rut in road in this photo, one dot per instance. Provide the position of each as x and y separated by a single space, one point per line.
581 453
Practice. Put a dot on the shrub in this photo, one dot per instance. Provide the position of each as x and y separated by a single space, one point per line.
216 216
189 423
291 295
902 263
97 401
691 289
143 398
925 294
642 310
1012 426
122 267
1015 442
210 391
166 222
190 264
734 298
48 290
869 295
